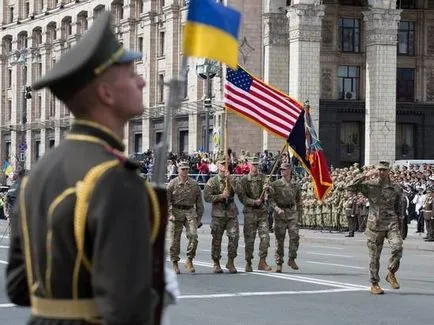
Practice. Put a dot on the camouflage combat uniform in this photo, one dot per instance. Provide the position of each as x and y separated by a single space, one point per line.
186 205
286 196
385 200
250 188
224 216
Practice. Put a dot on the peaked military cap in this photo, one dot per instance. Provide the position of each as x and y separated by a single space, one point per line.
93 54
183 165
383 165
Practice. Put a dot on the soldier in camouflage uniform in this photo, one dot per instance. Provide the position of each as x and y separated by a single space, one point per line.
224 216
185 206
428 215
250 192
285 200
350 212
385 209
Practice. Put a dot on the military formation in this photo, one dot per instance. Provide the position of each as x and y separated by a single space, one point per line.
259 197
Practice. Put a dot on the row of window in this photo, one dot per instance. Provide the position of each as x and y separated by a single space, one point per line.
349 83
349 36
351 142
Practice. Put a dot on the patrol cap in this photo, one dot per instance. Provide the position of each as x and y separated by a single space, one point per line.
183 165
285 166
93 54
383 165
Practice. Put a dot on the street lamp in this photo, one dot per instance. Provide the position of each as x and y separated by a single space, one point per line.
207 69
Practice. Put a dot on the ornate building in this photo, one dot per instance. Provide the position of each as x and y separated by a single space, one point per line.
366 67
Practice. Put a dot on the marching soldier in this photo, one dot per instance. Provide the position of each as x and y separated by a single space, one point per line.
385 209
250 189
81 241
219 191
184 198
285 200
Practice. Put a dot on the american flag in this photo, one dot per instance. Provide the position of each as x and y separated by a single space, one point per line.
255 100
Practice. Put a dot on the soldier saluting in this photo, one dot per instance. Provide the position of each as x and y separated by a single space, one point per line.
385 212
81 241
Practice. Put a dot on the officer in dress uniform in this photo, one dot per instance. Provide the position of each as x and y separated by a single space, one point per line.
82 234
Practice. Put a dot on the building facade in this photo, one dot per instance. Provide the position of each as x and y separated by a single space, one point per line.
366 67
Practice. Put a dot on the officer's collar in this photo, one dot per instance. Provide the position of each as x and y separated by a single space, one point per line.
93 129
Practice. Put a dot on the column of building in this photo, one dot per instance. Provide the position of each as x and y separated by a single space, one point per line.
276 57
148 29
305 18
380 120
58 48
44 93
171 14
28 107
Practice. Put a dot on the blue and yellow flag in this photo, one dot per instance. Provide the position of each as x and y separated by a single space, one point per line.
7 168
211 32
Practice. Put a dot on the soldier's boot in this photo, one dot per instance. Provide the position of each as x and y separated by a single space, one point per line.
216 267
263 266
231 266
292 264
376 289
189 265
249 266
176 268
392 280
279 268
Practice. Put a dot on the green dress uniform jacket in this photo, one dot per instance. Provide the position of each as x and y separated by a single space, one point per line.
82 235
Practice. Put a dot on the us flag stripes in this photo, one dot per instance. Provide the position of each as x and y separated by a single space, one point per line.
255 100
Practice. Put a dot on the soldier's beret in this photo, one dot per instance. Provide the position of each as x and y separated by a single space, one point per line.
383 165
93 54
184 165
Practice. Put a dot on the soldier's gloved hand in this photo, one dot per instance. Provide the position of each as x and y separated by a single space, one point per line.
171 218
225 193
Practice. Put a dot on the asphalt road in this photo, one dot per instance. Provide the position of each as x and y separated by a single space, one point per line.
331 287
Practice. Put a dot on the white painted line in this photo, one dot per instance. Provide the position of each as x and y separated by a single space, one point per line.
4 262
327 254
348 285
284 276
6 247
205 250
266 293
326 247
6 305
333 264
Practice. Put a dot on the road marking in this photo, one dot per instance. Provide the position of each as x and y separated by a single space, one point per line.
6 305
284 276
326 247
3 262
327 254
266 293
333 264
6 247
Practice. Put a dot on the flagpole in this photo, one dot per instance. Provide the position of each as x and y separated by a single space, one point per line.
274 166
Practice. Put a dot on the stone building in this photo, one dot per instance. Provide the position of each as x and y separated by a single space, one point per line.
366 67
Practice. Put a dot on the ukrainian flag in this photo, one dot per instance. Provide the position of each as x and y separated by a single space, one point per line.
211 32
7 168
